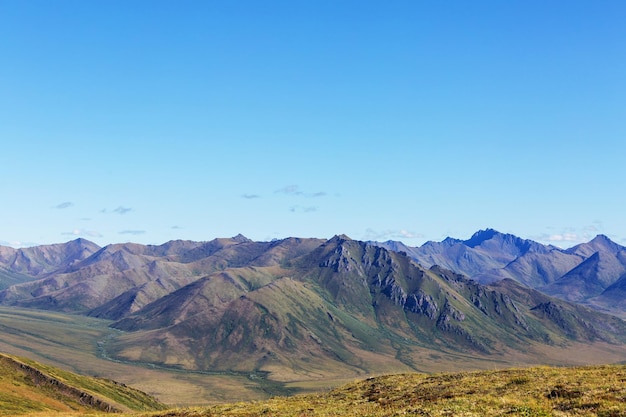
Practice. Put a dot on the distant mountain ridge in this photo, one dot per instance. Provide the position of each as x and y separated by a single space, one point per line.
297 308
584 273
26 264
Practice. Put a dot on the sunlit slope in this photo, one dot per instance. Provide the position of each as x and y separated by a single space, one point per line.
585 391
28 387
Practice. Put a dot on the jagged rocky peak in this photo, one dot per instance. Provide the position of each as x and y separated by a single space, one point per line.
341 259
491 239
447 241
339 239
481 236
241 239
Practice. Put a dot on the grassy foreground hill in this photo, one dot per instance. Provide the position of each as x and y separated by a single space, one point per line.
544 391
28 387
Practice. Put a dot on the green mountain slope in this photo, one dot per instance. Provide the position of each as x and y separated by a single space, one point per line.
27 387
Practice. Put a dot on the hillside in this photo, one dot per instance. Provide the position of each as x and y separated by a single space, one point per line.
28 387
348 308
585 391
27 264
314 310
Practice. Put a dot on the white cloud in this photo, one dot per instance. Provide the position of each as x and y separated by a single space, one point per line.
564 237
568 236
391 234
82 233
18 244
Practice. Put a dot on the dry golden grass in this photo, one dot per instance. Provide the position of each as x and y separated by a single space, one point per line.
543 391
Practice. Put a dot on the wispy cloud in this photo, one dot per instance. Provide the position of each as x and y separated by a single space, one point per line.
132 232
569 236
561 237
82 233
294 190
122 210
118 210
595 228
64 205
250 196
289 190
391 234
300 209
18 244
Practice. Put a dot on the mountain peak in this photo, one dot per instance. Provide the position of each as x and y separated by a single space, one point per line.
82 242
481 236
602 239
599 243
604 242
448 241
339 238
241 239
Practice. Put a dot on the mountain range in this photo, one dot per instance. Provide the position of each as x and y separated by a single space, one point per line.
305 308
592 273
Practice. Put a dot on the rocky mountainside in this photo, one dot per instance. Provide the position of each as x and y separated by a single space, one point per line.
306 307
27 264
580 274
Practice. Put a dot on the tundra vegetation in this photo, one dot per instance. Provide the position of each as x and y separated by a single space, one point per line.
538 391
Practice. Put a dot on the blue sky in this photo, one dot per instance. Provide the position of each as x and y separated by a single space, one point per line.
147 121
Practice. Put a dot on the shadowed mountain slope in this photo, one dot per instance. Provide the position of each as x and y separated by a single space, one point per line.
612 299
590 278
